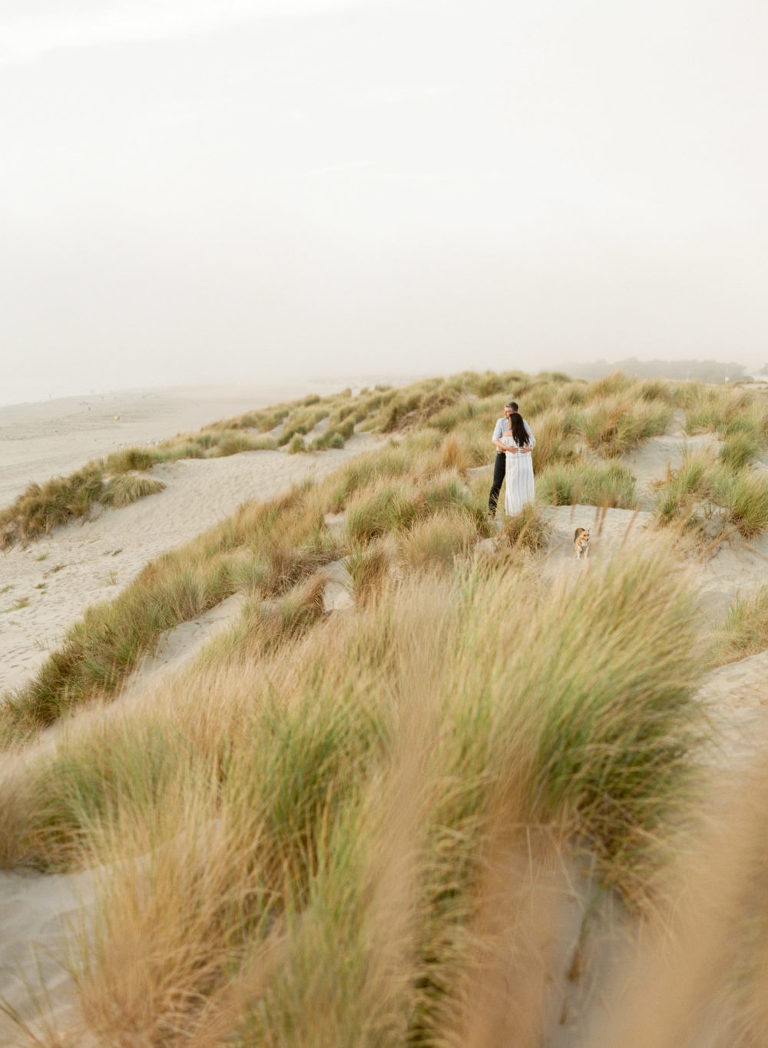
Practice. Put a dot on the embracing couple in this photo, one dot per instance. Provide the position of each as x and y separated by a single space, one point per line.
514 441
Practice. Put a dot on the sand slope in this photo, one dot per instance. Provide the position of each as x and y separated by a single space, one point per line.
57 437
47 587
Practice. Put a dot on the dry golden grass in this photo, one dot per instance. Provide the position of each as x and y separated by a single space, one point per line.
438 540
126 488
698 974
366 780
745 630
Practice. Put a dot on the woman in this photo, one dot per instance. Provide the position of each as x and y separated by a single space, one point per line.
517 444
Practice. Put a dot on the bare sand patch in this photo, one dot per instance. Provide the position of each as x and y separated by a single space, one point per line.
38 913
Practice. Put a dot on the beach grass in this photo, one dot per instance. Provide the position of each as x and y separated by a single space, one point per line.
126 488
714 499
615 425
526 531
43 507
362 824
353 783
745 629
726 411
606 484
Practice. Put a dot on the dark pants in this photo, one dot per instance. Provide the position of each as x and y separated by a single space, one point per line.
499 468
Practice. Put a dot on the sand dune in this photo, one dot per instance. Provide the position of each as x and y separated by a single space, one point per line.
45 588
57 437
49 585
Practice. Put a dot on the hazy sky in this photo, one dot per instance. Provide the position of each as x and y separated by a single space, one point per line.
197 190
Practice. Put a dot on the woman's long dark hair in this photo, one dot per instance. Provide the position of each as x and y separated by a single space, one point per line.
519 434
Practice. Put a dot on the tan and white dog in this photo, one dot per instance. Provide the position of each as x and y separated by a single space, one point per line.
581 543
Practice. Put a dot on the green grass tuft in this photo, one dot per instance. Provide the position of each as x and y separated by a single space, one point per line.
745 630
592 484
124 489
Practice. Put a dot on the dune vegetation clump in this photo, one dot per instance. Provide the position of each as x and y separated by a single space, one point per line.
42 507
527 530
596 484
724 410
745 629
126 488
131 459
613 426
714 499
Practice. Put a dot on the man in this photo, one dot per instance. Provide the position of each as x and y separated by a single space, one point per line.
500 465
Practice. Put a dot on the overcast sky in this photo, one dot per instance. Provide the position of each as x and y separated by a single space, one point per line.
198 190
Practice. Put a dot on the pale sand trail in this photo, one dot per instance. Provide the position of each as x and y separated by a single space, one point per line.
38 915
86 563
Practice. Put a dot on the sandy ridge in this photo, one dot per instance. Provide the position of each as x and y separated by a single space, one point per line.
48 586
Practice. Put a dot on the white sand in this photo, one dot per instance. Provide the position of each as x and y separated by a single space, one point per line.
49 585
38 915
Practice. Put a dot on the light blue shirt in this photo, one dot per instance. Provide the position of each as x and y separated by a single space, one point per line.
502 427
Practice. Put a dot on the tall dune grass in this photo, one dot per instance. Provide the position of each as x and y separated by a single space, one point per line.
745 629
43 507
727 411
303 840
438 540
714 499
127 488
595 484
615 425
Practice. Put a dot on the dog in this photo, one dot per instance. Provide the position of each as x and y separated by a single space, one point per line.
581 543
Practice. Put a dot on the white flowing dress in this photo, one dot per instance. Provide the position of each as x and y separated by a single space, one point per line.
518 476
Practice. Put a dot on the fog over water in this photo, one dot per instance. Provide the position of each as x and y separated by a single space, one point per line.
267 190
